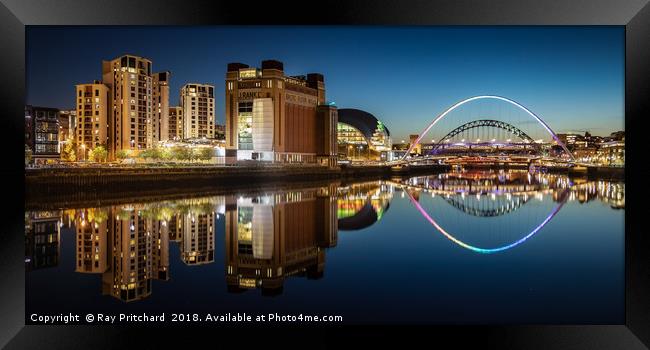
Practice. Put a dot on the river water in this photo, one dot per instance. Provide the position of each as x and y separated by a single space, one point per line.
465 247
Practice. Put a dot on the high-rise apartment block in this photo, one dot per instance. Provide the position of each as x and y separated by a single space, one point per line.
160 121
175 123
93 101
197 102
130 124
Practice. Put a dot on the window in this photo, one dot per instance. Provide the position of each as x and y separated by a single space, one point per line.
96 92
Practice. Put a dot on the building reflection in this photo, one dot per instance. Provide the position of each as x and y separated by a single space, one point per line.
270 237
91 228
361 205
197 238
42 236
129 245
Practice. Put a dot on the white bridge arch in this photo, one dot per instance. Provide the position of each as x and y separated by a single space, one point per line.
494 97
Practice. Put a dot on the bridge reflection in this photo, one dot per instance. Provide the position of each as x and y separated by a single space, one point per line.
269 237
486 193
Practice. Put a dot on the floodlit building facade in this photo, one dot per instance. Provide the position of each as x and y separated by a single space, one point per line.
278 118
160 120
175 123
129 79
197 103
93 101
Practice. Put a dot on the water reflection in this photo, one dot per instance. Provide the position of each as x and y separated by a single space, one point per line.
282 234
273 236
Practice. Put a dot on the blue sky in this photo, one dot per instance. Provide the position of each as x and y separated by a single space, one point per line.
572 77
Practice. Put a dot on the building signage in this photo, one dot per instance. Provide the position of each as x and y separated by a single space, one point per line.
300 100
251 94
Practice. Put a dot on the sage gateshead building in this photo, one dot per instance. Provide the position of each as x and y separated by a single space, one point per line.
361 136
277 118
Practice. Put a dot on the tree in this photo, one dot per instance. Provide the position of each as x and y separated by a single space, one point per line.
205 153
155 153
98 154
151 153
122 154
69 152
165 153
181 153
145 154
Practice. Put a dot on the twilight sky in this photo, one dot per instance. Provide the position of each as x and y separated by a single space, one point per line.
572 77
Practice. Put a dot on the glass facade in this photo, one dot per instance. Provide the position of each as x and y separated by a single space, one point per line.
352 143
245 125
348 134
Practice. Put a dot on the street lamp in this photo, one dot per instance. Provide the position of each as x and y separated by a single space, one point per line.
83 148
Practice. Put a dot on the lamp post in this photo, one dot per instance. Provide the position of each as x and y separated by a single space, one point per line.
83 150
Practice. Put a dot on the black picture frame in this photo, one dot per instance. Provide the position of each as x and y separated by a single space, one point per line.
633 14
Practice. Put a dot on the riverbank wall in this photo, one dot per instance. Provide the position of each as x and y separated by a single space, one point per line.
102 183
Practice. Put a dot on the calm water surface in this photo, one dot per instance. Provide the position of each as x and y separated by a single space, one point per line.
463 247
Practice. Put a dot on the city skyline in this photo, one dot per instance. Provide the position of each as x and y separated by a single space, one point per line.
384 70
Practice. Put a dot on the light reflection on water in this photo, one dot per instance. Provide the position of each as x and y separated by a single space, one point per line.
502 246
